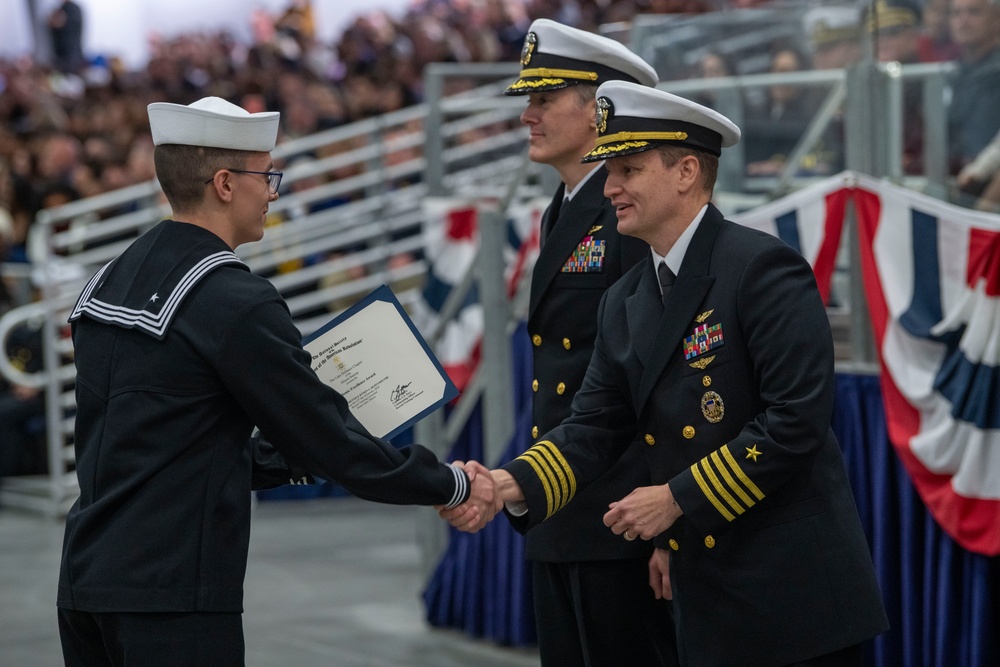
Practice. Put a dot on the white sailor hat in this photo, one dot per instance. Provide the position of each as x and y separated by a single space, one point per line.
215 123
632 119
556 56
830 25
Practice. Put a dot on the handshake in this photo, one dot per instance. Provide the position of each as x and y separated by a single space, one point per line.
645 513
490 490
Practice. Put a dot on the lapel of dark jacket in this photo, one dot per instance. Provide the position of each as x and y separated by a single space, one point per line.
643 311
657 331
578 216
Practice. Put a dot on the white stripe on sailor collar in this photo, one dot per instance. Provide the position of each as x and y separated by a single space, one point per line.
155 324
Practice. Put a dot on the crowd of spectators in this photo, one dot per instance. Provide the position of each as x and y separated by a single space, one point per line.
75 127
80 129
963 32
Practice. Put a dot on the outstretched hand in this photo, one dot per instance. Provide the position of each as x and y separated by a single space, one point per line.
483 503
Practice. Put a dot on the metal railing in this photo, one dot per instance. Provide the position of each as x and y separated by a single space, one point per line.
332 241
328 242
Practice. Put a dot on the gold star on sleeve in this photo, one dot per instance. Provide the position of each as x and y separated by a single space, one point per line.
725 484
752 452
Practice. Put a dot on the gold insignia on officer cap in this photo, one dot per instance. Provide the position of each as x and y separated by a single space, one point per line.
603 111
826 26
214 123
528 48
560 56
642 118
891 15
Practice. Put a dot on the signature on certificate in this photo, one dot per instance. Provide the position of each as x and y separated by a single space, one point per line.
400 392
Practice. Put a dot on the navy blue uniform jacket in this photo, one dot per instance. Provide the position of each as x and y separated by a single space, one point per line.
180 351
729 392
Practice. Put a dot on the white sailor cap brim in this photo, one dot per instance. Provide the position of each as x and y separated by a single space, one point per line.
632 119
215 123
556 56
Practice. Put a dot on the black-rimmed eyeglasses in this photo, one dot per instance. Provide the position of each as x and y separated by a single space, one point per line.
273 178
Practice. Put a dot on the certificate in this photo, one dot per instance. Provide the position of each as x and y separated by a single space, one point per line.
376 359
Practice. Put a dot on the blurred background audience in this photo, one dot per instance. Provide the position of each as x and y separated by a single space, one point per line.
76 126
80 128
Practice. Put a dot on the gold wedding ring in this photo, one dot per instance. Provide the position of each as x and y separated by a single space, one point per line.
629 536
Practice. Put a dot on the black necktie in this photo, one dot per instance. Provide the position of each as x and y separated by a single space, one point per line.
562 208
666 277
559 202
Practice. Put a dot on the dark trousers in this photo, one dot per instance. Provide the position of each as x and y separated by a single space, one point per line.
852 656
154 639
601 614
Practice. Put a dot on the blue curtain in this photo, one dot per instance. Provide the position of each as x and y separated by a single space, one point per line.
943 602
482 584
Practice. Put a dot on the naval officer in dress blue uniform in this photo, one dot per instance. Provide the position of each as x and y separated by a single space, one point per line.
714 356
180 352
593 605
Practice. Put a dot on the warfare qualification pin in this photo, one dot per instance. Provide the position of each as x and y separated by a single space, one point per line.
712 407
528 49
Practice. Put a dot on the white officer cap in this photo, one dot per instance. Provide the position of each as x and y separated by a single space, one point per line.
215 123
829 25
555 56
632 119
